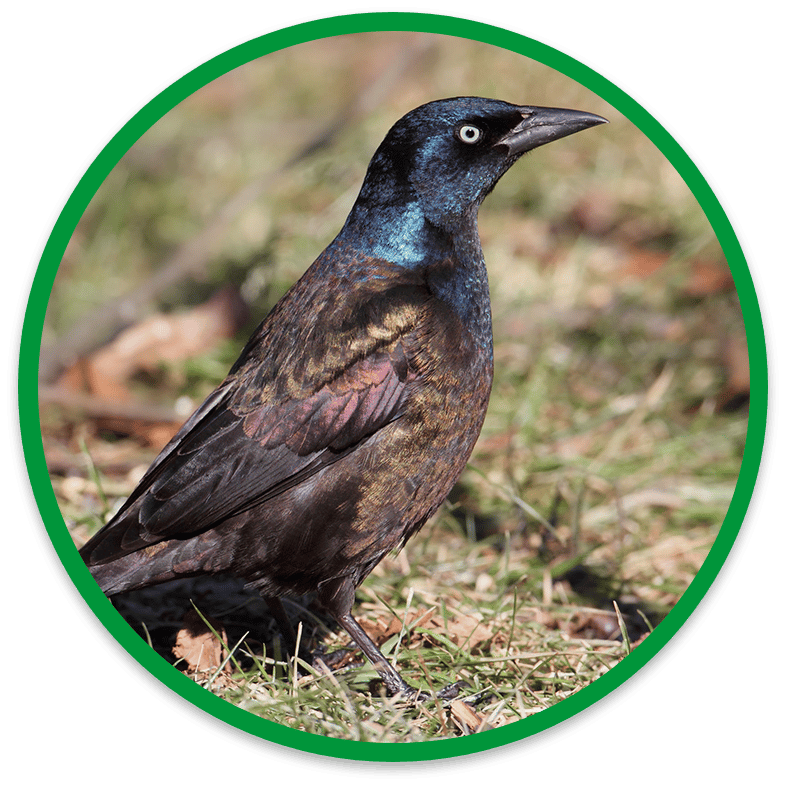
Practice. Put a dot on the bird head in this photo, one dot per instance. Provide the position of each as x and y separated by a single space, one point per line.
448 155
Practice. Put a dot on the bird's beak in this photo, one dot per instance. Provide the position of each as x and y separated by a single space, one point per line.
541 124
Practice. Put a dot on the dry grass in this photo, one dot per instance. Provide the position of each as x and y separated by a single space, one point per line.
613 440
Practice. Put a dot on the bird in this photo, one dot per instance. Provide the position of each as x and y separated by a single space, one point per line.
354 406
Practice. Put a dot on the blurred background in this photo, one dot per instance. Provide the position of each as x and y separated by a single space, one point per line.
619 412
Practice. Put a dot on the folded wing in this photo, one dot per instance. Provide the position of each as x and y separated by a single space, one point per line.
230 457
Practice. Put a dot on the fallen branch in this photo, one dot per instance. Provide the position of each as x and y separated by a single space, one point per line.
191 257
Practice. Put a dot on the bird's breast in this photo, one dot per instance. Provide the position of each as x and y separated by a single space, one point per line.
452 369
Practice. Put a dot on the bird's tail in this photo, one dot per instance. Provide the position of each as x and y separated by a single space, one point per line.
137 570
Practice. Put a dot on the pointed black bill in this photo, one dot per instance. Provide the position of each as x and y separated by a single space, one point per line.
541 124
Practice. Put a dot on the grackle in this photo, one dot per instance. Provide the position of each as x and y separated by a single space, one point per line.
354 406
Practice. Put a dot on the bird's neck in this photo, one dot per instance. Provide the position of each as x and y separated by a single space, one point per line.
449 258
460 279
397 232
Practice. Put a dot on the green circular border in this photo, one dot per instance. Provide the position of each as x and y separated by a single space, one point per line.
31 347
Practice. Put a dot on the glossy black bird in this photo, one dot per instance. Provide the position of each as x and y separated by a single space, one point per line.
354 407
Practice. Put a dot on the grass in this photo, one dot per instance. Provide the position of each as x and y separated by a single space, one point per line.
515 650
613 440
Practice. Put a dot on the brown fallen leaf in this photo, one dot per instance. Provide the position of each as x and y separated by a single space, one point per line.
705 277
465 630
708 277
418 619
641 263
159 338
738 374
103 376
465 718
597 625
201 651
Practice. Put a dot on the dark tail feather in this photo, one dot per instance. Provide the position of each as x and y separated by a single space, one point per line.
135 571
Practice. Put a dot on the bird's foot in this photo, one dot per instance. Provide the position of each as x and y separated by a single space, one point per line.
332 660
405 691
452 691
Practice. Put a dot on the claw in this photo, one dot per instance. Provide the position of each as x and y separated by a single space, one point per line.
450 692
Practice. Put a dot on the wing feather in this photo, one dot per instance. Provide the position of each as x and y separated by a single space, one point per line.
286 411
228 461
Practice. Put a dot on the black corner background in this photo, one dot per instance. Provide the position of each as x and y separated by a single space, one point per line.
73 70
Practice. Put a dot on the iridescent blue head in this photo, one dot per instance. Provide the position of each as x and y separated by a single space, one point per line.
438 163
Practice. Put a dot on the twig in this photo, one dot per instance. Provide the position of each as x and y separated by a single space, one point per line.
90 331
99 407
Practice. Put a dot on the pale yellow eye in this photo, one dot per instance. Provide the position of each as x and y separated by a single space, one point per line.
470 134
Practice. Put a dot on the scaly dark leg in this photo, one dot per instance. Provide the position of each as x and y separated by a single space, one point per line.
394 682
337 597
282 620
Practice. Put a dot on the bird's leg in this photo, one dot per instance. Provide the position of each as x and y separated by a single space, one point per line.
281 617
337 596
276 608
284 623
394 682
